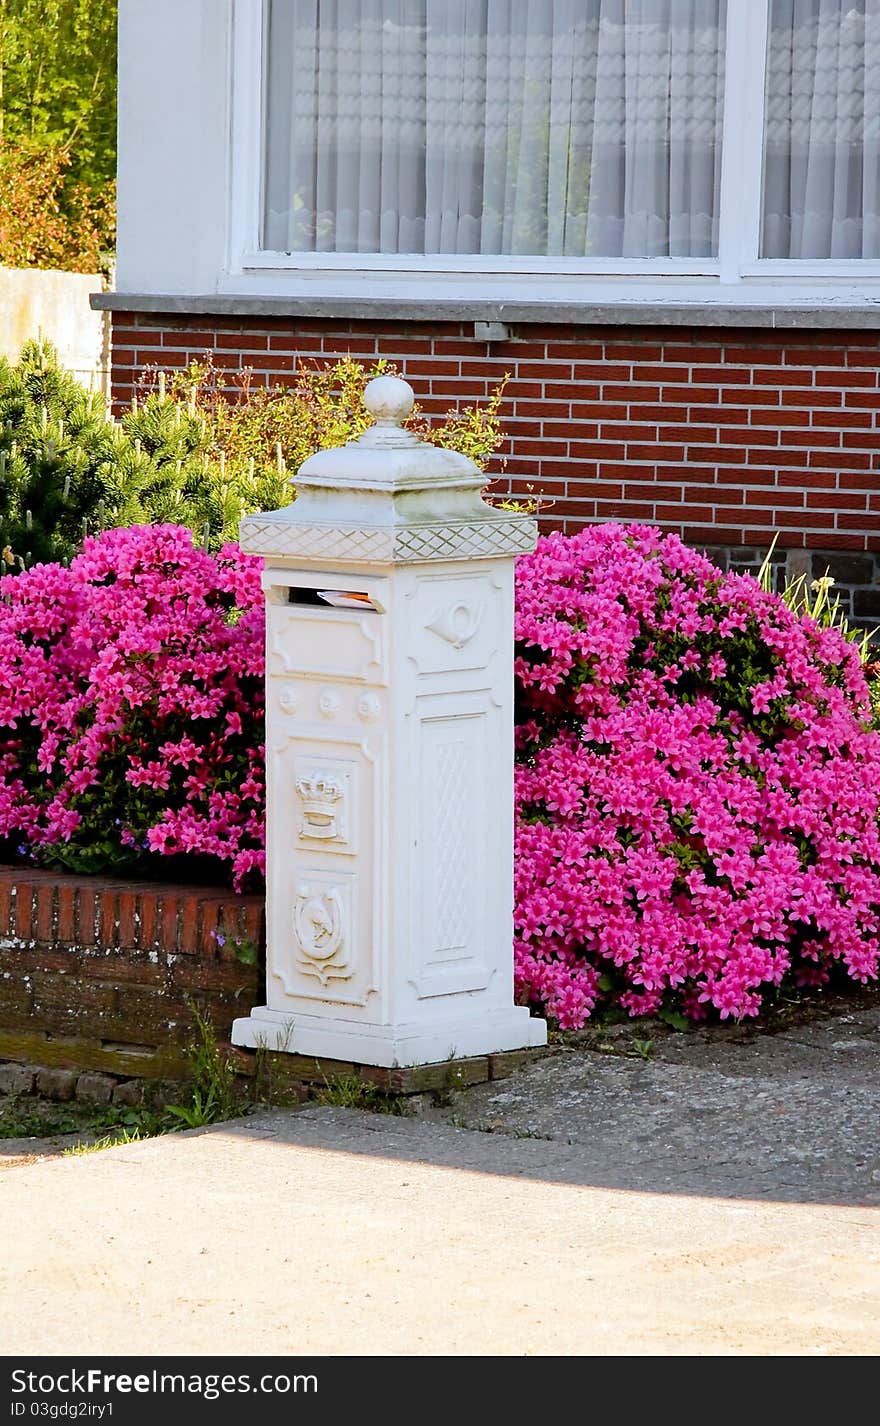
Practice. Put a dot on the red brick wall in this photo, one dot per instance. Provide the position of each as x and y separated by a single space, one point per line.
725 436
98 978
99 974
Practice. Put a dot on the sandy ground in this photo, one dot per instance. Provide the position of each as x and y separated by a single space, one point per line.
326 1230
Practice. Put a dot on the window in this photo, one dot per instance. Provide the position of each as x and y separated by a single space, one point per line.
715 139
822 130
495 126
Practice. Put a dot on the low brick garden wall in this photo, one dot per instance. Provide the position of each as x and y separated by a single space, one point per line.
97 982
98 976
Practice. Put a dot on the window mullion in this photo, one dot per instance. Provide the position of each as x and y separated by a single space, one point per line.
743 136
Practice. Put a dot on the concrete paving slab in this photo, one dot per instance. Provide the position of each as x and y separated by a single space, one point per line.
326 1230
793 1116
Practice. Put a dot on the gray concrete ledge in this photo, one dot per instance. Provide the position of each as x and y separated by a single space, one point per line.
819 314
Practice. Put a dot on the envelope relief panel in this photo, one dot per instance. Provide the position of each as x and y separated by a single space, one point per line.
452 622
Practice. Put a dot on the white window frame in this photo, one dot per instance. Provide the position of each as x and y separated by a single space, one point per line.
737 274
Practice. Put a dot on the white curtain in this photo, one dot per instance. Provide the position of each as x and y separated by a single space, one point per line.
533 127
822 137
346 126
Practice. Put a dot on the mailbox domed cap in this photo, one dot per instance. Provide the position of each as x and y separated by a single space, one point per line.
389 400
388 457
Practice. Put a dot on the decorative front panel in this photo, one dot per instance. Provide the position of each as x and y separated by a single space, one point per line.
450 891
323 911
453 622
333 644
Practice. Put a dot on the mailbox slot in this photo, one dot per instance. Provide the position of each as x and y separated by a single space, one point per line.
334 599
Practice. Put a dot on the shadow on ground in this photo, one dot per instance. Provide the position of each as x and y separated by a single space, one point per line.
791 1116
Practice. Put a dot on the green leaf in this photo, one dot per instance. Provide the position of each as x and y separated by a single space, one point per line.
247 952
674 1018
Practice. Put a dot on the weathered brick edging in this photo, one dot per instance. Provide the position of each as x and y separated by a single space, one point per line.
96 973
97 977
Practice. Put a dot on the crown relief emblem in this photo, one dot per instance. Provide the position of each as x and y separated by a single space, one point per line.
321 795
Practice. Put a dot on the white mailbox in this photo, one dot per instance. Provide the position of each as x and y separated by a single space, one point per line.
389 755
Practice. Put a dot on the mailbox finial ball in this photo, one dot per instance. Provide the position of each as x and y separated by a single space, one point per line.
389 400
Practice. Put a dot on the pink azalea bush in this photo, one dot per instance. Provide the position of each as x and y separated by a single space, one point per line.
131 695
697 781
697 787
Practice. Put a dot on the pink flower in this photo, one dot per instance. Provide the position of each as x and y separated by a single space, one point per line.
126 682
665 839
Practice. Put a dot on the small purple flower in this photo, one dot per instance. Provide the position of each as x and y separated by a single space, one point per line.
219 938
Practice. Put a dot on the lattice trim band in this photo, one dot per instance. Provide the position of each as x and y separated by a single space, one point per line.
410 544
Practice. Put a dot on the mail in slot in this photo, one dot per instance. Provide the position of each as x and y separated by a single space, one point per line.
337 598
346 598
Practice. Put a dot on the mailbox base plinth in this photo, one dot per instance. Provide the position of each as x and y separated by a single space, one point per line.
390 1046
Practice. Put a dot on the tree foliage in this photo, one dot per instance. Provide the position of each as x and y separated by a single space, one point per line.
58 82
57 133
48 222
58 460
184 453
